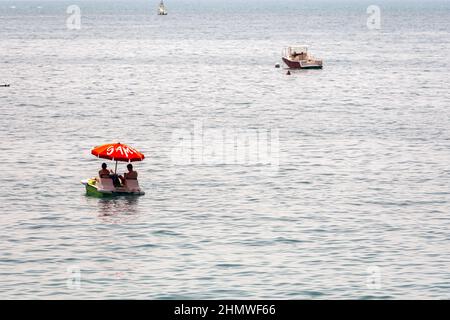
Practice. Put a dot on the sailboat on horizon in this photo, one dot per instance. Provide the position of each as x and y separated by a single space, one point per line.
162 9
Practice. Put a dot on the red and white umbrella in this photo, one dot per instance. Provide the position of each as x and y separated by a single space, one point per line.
117 152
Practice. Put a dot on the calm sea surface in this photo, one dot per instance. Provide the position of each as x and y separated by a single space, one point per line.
354 204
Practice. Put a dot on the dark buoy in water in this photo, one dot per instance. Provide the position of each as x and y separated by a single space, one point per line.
288 73
277 65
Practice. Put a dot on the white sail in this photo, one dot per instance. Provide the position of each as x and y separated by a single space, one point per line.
162 9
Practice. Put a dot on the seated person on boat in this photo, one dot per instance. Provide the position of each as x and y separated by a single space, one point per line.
105 173
130 175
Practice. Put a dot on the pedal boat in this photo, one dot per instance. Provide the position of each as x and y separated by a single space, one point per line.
297 57
104 187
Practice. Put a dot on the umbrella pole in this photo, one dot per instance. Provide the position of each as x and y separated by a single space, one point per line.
115 170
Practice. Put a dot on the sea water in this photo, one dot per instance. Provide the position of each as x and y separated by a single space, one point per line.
340 187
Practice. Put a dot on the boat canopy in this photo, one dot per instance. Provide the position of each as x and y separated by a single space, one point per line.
298 48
